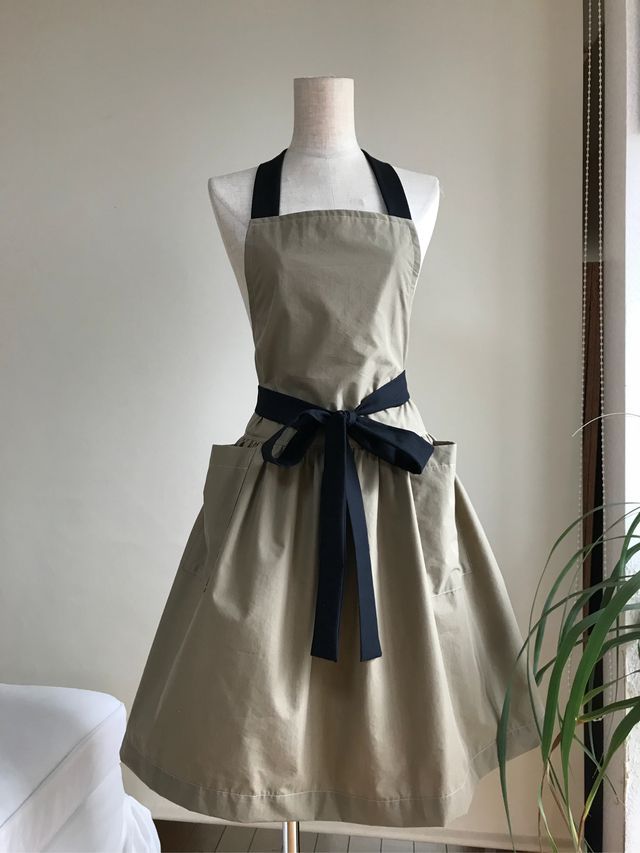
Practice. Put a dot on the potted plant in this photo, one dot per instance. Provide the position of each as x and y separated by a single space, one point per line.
610 627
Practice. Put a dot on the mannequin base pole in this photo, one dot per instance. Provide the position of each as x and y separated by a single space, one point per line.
290 836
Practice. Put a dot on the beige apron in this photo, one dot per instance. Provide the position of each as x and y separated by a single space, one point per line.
233 716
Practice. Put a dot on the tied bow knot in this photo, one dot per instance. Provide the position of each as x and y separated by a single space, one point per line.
350 416
341 496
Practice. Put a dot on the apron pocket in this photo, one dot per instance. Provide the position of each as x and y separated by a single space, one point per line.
228 468
195 551
434 500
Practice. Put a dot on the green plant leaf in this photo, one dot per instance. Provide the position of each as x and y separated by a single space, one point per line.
597 690
611 708
581 552
592 652
622 731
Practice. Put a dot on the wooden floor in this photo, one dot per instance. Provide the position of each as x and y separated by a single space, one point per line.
181 837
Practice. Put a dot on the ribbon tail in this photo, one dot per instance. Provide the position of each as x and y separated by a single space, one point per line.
332 543
267 446
400 447
369 639
305 425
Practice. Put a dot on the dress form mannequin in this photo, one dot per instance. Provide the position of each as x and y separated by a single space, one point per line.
323 167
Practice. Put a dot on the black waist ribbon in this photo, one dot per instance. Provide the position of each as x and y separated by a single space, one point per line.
341 495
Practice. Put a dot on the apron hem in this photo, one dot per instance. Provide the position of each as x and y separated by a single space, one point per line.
328 805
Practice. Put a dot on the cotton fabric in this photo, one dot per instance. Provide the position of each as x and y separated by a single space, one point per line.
233 717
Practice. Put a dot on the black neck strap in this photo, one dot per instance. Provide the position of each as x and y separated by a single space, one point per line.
266 188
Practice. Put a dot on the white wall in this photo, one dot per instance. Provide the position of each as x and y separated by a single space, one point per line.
125 345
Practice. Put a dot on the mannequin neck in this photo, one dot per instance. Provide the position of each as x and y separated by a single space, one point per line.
323 117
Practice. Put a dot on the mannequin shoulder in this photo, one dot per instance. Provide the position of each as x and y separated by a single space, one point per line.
423 191
230 193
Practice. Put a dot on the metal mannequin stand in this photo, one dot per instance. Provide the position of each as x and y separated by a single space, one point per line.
290 836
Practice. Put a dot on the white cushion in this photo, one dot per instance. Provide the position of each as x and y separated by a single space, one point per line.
56 745
108 820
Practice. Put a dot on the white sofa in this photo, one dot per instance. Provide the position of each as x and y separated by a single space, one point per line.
60 776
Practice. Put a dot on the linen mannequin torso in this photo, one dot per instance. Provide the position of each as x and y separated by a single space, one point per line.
324 168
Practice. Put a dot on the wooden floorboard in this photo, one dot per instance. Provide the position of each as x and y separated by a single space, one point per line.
397 845
266 841
236 839
330 843
364 844
185 837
